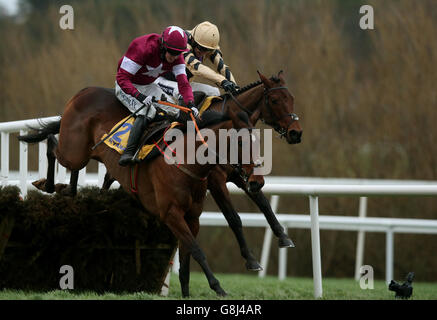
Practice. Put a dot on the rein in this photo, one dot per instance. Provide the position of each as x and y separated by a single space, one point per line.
237 167
239 105
187 110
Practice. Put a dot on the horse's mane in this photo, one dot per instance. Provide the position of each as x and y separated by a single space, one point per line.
256 83
249 86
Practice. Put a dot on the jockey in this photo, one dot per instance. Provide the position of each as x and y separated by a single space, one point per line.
147 58
203 49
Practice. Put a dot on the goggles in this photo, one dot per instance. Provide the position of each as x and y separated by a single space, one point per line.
174 53
203 49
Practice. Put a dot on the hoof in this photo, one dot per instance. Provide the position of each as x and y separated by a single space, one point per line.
253 266
220 292
42 185
64 190
60 187
285 243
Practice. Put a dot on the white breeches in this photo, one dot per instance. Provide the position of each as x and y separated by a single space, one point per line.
152 89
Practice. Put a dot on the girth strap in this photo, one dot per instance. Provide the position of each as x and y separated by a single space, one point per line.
134 178
191 174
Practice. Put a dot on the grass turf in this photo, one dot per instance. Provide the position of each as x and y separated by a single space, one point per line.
242 287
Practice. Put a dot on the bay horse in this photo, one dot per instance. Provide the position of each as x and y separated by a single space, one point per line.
270 101
267 99
164 190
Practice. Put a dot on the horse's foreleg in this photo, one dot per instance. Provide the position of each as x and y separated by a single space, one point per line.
177 224
184 269
70 189
107 182
263 204
73 181
220 193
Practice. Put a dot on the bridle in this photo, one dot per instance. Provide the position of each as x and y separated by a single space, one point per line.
238 168
274 123
292 116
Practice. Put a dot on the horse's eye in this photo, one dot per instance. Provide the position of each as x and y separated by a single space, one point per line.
274 101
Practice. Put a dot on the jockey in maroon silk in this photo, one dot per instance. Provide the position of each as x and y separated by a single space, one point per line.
147 58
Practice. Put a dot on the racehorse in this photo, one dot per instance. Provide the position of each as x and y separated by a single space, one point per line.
176 196
267 99
270 101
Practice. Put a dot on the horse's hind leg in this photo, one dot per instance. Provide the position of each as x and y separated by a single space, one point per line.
48 184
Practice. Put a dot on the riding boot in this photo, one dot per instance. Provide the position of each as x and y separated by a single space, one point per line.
134 137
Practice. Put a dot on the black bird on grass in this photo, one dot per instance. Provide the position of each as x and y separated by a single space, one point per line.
405 290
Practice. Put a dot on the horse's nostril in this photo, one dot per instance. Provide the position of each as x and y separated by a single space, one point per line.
294 136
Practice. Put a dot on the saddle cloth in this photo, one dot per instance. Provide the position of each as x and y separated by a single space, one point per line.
118 140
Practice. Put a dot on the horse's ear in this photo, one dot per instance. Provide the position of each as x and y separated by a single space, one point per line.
264 80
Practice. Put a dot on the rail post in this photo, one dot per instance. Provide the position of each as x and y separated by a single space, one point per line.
315 244
389 254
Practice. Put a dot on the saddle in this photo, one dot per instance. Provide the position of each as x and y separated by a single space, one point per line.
156 130
152 139
152 143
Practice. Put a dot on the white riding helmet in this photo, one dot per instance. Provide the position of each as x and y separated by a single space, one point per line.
206 35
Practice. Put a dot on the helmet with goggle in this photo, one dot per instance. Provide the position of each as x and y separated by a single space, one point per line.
174 40
206 36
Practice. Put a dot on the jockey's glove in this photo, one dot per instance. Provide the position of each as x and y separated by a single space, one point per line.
148 101
229 86
193 108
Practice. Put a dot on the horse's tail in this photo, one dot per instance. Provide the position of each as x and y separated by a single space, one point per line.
41 133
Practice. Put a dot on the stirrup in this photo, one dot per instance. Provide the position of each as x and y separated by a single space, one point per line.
126 159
